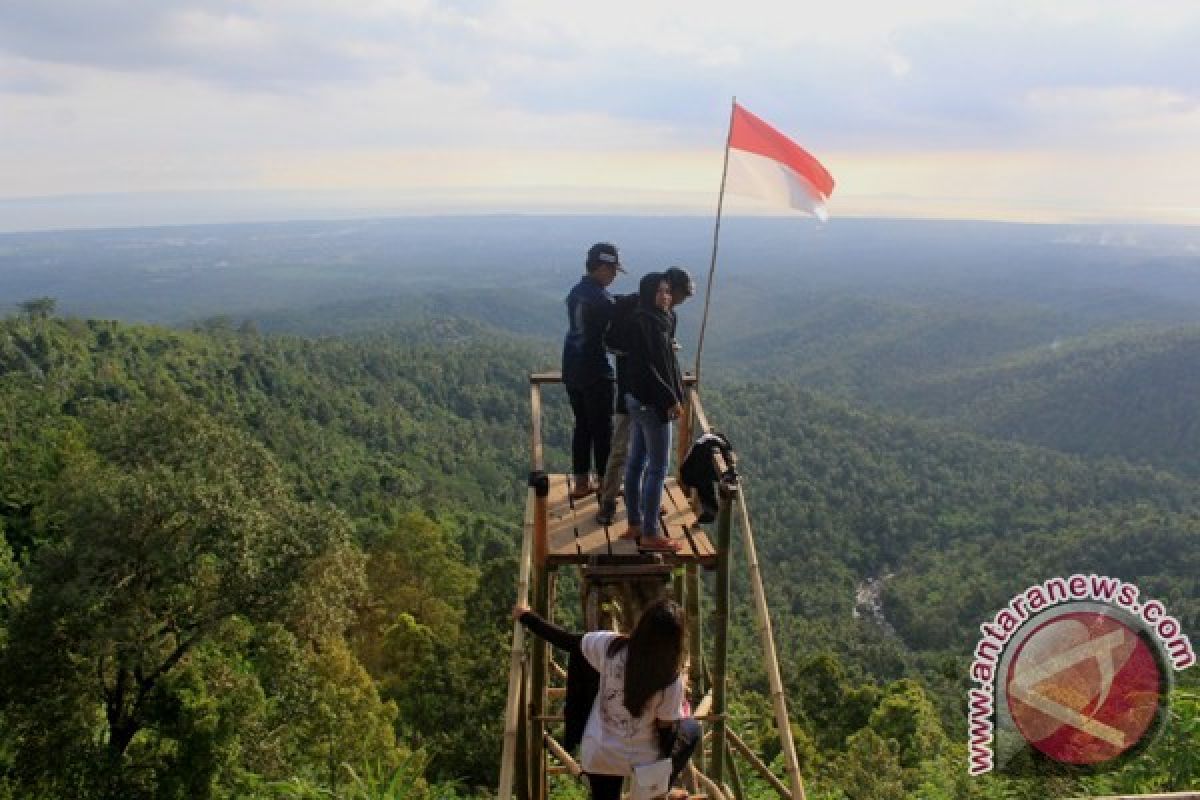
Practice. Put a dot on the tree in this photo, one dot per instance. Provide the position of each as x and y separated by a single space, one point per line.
170 531
905 716
39 307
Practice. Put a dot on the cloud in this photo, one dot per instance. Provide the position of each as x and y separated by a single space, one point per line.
932 72
110 95
236 45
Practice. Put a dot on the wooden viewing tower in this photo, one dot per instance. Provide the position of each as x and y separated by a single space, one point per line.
560 532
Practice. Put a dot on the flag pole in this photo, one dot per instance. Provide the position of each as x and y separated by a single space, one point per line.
712 267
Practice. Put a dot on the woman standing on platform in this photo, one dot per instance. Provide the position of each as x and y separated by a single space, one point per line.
654 399
638 715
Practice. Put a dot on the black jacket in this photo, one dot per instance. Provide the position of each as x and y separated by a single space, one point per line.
616 340
583 681
653 374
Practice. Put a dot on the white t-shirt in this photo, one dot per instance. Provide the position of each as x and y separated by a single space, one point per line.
615 741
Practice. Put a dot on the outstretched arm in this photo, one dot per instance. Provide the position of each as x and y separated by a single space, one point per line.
559 637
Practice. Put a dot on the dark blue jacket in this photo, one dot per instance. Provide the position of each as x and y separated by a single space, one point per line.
589 311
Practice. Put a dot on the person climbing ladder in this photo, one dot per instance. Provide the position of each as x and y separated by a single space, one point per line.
637 717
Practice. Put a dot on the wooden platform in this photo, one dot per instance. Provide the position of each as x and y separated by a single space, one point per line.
574 536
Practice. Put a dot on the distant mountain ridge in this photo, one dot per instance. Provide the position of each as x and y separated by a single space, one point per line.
1135 396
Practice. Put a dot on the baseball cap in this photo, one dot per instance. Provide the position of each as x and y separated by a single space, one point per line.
603 253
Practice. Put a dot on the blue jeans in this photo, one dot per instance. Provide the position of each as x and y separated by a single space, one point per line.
646 464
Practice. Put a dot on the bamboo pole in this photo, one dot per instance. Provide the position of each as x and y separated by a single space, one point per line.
695 641
522 757
758 765
714 792
778 699
734 774
693 608
721 644
540 519
512 708
537 690
563 757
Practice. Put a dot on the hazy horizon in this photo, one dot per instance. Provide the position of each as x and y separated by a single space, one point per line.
137 210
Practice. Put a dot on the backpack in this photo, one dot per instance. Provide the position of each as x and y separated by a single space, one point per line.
616 337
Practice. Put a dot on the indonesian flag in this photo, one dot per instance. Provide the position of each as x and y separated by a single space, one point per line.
766 164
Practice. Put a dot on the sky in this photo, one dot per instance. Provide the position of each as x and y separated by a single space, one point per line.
147 111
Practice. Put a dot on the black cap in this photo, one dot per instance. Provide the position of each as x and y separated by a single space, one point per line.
602 253
680 281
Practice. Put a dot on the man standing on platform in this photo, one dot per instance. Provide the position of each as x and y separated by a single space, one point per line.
586 371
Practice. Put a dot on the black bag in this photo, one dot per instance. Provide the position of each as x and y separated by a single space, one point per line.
699 473
616 338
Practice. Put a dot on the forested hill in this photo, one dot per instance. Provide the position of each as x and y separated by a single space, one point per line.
232 563
231 560
1133 396
839 493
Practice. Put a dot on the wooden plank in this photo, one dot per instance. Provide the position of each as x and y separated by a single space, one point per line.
591 537
613 573
561 525
621 547
545 377
683 521
678 517
574 536
704 547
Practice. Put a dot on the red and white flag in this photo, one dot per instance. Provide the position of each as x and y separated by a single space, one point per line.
766 164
